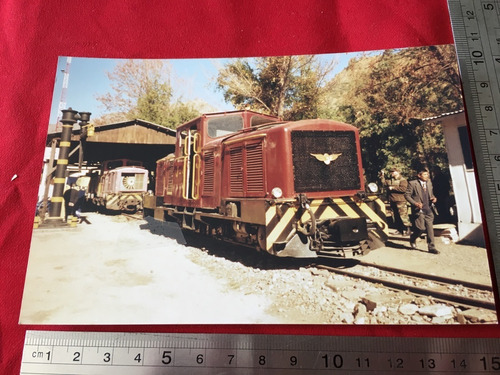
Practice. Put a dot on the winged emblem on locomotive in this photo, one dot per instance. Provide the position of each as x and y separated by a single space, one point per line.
326 158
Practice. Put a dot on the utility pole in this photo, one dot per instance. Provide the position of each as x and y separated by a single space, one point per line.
69 118
64 92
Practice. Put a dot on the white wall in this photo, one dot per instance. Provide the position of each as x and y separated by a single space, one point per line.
45 171
464 182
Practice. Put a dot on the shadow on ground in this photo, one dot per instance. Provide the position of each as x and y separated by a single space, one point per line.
247 256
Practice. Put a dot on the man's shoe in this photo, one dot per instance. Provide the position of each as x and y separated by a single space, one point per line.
433 251
413 245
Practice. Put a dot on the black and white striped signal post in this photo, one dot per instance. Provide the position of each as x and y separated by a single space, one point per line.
69 118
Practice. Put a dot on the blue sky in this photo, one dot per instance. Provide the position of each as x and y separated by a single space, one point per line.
192 79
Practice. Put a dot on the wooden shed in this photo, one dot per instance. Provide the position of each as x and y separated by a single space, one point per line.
135 139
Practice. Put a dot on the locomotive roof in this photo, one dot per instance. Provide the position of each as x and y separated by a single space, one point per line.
216 114
237 111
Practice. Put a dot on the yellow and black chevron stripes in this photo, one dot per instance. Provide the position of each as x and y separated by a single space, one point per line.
118 201
279 223
280 218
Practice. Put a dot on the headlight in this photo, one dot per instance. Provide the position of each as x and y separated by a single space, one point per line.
277 193
372 187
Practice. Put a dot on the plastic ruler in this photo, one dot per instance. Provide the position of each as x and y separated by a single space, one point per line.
476 26
56 352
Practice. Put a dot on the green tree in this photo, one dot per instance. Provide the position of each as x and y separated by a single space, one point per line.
132 80
181 112
284 86
154 104
386 94
142 89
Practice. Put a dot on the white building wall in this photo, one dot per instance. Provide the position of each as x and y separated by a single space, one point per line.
463 181
45 172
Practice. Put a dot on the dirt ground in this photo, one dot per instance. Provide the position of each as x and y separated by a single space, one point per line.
456 261
118 270
112 272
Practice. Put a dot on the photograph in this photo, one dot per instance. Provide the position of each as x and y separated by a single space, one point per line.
325 189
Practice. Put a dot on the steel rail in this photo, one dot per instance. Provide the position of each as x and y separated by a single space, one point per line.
135 216
441 279
465 301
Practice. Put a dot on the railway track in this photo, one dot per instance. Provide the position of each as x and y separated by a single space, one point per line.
135 216
451 291
439 288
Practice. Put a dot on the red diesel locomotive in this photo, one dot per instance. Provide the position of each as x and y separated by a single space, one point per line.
289 188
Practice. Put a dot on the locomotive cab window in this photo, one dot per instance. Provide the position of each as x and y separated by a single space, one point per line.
260 120
113 164
134 163
219 126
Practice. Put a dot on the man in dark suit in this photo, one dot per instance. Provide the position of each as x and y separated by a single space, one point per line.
70 198
421 197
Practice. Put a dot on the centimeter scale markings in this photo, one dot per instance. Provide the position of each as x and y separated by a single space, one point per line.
53 352
476 27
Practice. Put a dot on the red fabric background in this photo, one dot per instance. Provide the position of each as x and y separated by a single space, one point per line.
34 33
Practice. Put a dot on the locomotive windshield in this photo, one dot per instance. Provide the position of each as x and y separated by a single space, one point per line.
134 163
219 126
112 164
259 120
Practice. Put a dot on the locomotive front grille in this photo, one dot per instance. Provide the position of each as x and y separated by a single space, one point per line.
133 181
325 161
